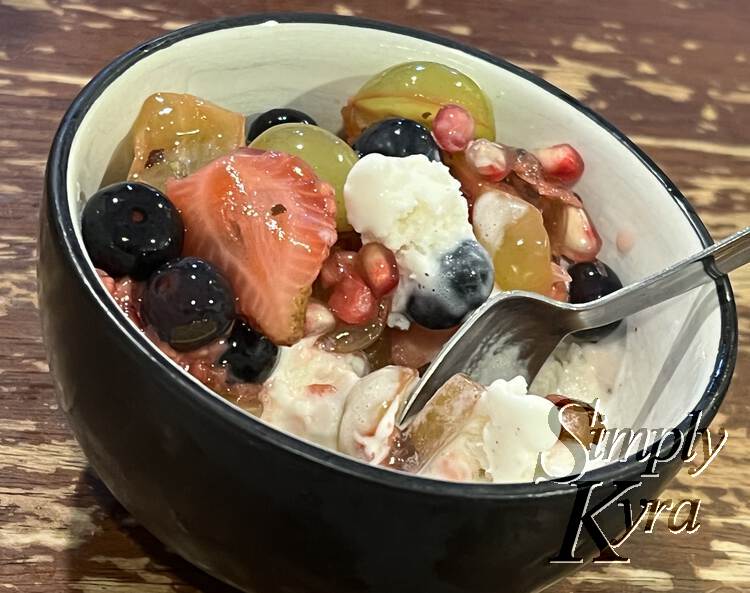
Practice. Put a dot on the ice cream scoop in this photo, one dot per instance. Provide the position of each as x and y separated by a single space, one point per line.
415 208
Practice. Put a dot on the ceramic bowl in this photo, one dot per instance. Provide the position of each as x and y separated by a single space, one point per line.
263 510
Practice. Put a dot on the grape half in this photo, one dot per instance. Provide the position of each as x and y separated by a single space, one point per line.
417 90
176 134
328 155
513 232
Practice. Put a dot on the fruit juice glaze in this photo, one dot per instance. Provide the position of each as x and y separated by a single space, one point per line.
308 277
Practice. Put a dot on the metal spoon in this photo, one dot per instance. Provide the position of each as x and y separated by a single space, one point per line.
513 333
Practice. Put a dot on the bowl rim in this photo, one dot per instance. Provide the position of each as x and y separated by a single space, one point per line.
60 216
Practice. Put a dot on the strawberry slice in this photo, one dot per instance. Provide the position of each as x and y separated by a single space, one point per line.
267 222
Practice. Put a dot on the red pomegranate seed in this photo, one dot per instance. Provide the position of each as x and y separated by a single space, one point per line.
453 128
107 280
491 159
561 163
378 267
571 232
580 241
338 265
473 184
352 301
560 282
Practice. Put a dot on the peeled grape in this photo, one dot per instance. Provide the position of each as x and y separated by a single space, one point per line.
513 232
417 91
328 155
176 134
443 416
347 338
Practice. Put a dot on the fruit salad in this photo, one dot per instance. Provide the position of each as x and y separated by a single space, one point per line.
309 275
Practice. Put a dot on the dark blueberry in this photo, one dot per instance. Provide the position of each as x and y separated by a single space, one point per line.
130 229
435 308
188 302
251 356
466 281
275 117
591 281
397 137
469 271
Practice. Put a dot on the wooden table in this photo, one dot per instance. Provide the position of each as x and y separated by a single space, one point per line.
673 74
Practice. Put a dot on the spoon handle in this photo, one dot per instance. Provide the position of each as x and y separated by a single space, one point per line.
705 266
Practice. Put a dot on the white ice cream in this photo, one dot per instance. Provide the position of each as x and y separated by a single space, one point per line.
521 426
414 207
582 371
307 391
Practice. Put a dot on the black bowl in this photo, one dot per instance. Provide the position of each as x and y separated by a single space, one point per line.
261 509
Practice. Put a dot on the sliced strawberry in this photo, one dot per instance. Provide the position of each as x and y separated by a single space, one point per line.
352 301
561 163
378 267
267 222
339 264
453 128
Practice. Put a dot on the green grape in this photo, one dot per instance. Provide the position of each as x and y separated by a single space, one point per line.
176 134
328 155
417 90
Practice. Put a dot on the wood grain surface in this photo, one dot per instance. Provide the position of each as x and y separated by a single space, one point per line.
673 74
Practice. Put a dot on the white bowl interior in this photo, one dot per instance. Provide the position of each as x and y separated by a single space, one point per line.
670 350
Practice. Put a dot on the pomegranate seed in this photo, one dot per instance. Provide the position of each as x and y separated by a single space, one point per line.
453 128
492 160
107 280
338 265
473 184
530 170
379 269
561 163
352 301
560 282
580 240
571 232
318 319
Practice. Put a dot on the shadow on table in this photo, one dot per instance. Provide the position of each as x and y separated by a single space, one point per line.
119 552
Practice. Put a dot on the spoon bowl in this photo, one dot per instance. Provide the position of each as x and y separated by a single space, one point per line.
513 333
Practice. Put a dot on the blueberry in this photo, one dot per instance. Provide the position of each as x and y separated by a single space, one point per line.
131 229
468 269
274 117
188 302
465 282
591 281
397 137
251 356
435 308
